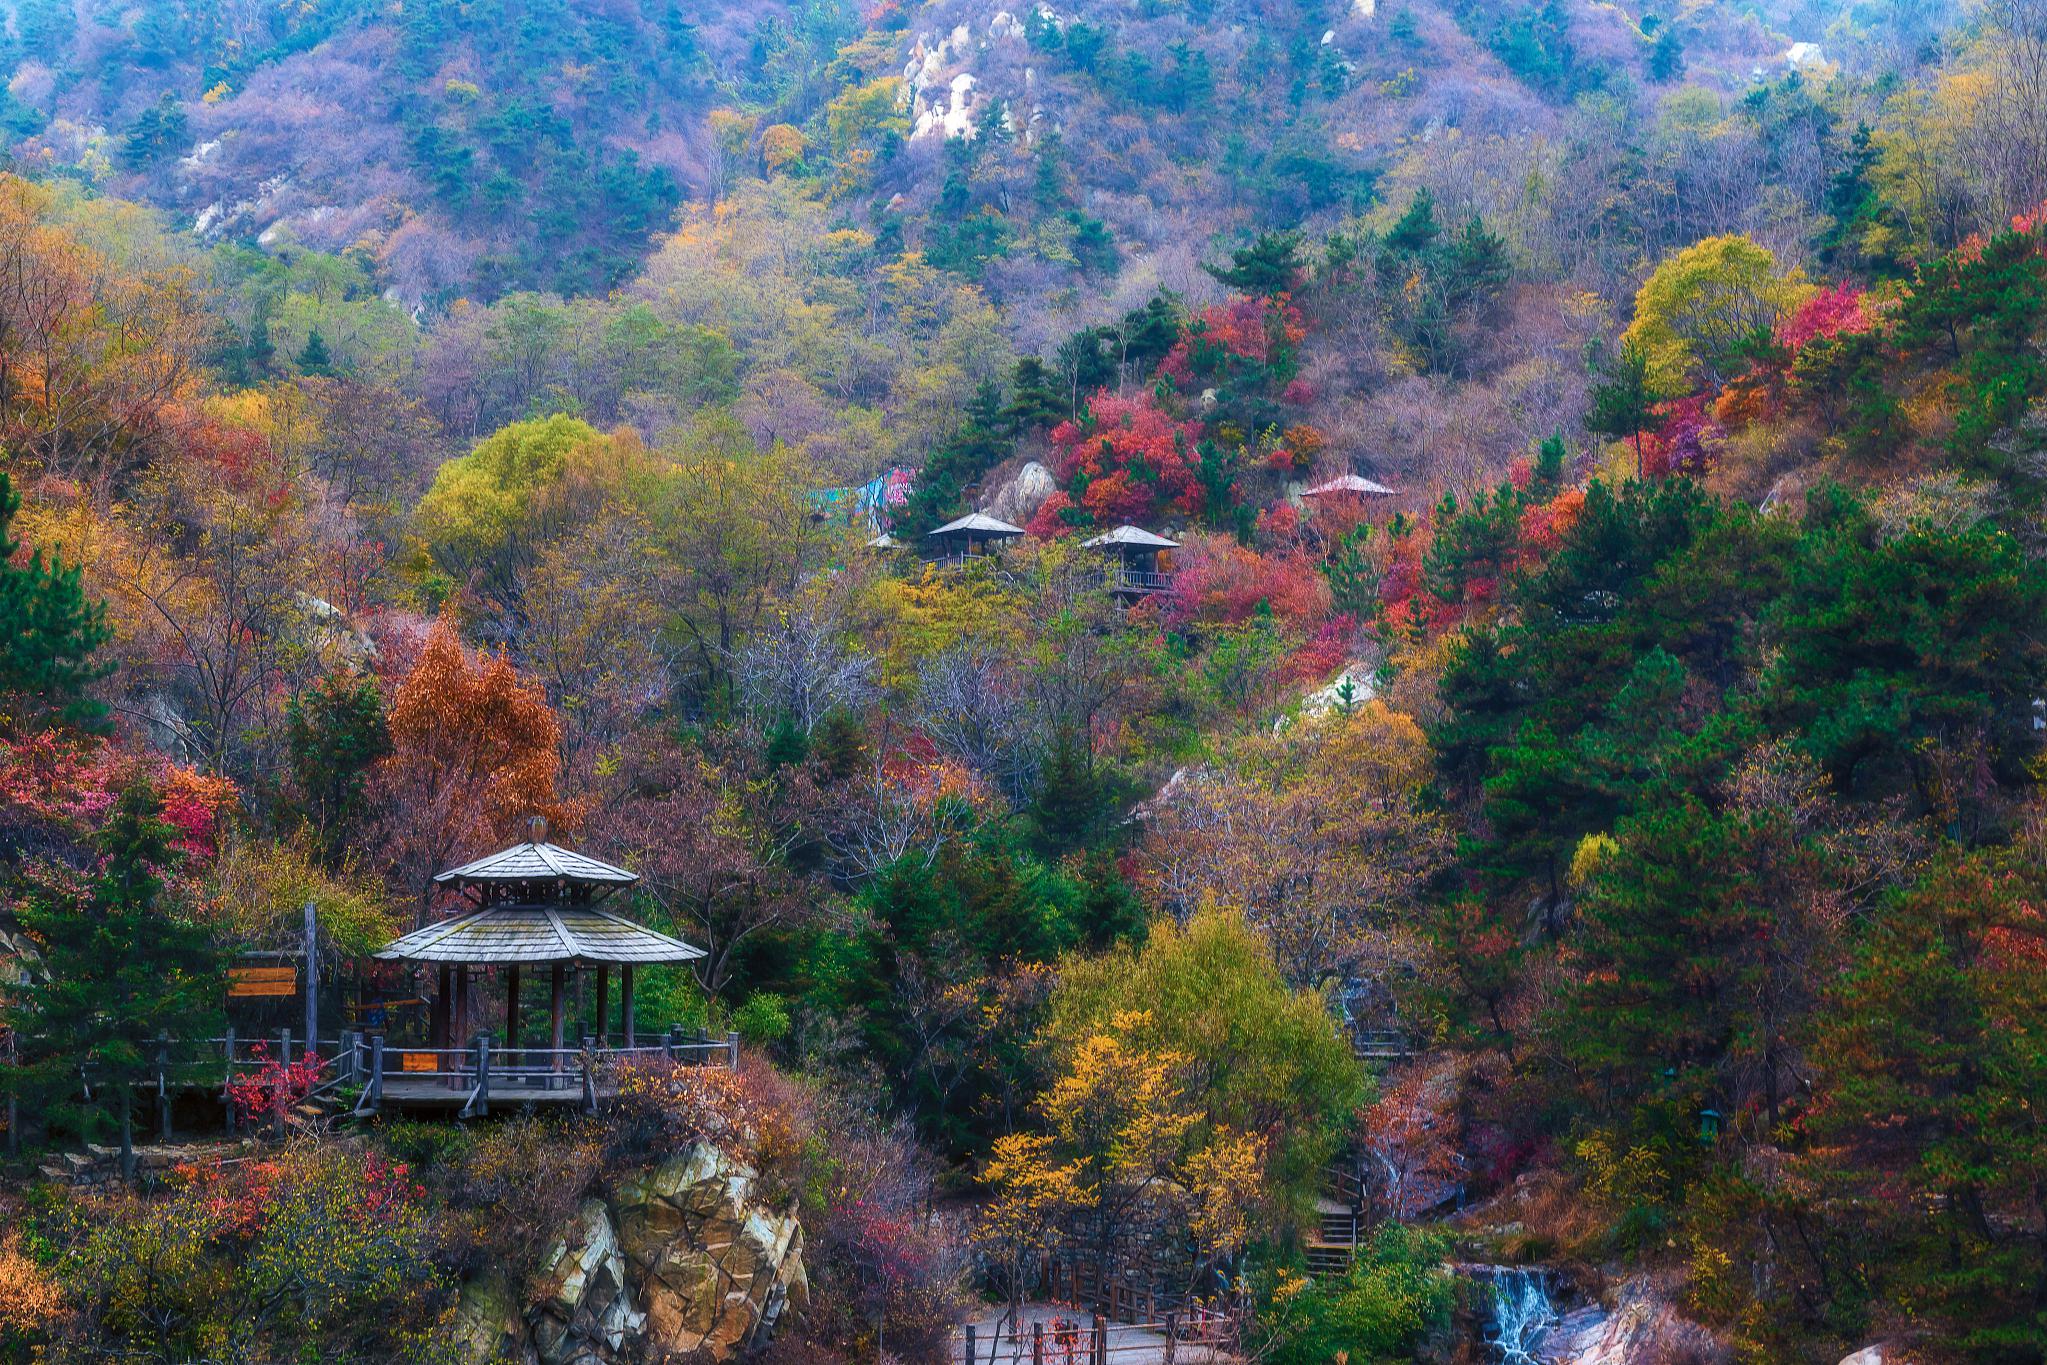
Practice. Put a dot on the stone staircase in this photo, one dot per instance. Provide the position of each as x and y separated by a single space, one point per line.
1334 1242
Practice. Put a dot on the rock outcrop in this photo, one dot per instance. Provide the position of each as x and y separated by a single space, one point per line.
1641 1327
680 1260
1018 500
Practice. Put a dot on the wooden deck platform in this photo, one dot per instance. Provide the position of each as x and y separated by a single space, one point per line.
431 1093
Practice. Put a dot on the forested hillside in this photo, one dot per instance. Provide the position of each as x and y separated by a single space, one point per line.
1475 793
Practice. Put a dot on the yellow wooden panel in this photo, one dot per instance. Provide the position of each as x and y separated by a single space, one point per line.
257 981
419 1061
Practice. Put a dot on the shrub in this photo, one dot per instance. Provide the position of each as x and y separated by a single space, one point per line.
763 1019
1397 1292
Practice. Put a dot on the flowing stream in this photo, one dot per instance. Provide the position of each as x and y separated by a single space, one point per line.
1522 1316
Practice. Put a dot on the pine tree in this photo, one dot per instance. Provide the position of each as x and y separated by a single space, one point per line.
1353 577
314 358
1093 244
1417 229
118 971
1035 398
334 732
1624 400
1270 265
1546 479
1666 56
48 633
1070 806
261 351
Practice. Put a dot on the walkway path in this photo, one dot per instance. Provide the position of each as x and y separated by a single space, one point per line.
1128 1345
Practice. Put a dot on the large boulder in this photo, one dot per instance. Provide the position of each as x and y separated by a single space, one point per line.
1642 1327
1018 500
685 1258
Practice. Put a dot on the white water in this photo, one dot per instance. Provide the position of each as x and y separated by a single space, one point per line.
1524 1314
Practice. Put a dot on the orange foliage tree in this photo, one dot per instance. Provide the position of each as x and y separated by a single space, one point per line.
474 750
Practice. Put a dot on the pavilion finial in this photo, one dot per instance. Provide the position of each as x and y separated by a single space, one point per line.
536 830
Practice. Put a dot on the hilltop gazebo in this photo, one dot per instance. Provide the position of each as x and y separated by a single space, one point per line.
1136 572
1349 485
537 904
974 534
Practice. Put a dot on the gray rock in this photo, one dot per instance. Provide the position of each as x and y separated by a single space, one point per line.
683 1259
1017 501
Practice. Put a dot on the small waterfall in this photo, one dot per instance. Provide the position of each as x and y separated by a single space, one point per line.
1522 1314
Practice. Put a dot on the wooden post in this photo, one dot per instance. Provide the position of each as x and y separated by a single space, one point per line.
1038 1343
163 1087
438 1035
732 1050
511 1010
376 1072
1101 1342
458 1022
625 1001
603 1002
973 1357
483 1073
312 980
351 1065
277 1104
227 1073
1172 1336
588 1059
554 1012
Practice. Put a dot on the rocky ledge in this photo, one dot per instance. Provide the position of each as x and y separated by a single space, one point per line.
683 1259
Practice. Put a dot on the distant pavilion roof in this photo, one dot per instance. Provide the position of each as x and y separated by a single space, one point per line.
506 934
977 523
1133 536
1349 483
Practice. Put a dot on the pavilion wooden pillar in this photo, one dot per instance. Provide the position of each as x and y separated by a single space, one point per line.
442 1002
554 1012
625 1000
511 1011
603 1000
459 1028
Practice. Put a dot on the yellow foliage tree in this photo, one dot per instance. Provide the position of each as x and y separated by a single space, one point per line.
781 147
1696 310
1123 1133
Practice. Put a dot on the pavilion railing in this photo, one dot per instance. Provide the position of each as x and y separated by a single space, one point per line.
366 1061
486 1067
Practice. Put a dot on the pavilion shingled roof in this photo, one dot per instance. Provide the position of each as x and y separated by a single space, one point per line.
977 523
505 934
1134 536
1355 484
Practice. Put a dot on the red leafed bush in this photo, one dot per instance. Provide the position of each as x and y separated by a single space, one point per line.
1134 461
1219 582
70 781
1325 651
1543 525
1685 441
275 1088
1048 523
1828 313
1226 336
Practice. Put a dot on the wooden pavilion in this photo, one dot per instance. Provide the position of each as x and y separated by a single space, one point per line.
536 905
1136 570
969 537
1349 486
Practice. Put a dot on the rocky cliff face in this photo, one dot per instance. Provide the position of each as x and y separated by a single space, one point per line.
682 1259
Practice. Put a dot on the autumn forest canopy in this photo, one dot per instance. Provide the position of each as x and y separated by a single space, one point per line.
1476 782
